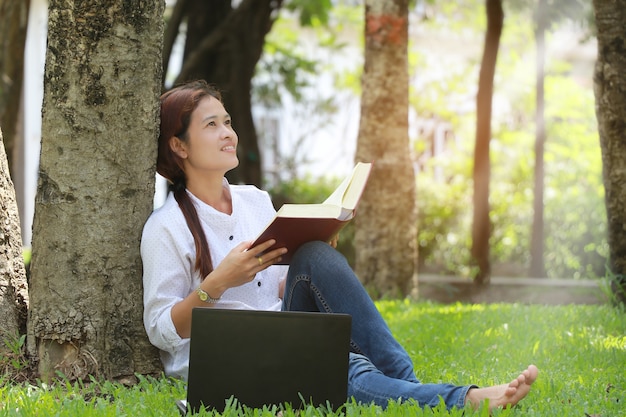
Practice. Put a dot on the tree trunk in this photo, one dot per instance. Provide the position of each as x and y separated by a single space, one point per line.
385 236
13 286
96 185
223 46
537 265
13 25
481 226
610 92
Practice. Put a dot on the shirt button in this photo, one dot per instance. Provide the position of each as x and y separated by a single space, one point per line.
230 237
259 283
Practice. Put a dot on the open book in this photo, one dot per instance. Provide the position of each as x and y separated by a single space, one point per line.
296 224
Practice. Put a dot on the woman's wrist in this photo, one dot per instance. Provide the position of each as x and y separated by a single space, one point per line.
211 287
205 297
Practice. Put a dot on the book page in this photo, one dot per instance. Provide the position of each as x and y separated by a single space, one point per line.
309 210
357 185
348 193
336 198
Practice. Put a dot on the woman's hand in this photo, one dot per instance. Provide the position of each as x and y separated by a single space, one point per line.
242 264
333 242
281 288
238 267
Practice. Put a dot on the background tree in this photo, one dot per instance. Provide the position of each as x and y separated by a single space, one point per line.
610 92
385 237
481 225
575 240
223 45
13 286
537 266
13 25
96 184
546 16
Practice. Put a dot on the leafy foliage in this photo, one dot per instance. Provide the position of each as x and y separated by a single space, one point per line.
311 11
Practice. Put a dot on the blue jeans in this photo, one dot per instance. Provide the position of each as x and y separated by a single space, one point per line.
320 279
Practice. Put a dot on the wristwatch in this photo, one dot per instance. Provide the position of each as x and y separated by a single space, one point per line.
204 296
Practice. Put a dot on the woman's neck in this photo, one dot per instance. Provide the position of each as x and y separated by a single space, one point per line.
212 192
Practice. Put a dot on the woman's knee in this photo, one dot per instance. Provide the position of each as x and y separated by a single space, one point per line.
313 247
317 252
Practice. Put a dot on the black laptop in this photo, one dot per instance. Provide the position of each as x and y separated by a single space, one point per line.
265 358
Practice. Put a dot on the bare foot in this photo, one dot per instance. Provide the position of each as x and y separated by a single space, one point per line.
504 395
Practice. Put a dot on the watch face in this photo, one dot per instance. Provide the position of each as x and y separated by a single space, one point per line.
203 295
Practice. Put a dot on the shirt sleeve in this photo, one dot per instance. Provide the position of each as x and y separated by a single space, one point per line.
168 275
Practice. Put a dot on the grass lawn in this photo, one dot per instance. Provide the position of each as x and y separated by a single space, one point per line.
580 352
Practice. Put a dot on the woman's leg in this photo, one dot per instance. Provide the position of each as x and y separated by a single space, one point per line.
320 279
366 384
380 370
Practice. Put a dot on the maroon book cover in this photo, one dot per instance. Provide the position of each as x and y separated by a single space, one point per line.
293 232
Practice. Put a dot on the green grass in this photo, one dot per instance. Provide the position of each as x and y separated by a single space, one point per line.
580 352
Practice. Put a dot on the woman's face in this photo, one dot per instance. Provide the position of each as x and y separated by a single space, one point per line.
211 141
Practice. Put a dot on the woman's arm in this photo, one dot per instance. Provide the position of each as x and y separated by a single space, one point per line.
239 267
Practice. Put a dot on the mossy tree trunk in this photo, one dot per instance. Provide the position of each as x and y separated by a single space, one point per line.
96 185
386 226
610 92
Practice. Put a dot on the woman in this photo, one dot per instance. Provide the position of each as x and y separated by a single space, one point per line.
196 252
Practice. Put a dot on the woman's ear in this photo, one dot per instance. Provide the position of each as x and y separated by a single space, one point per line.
178 147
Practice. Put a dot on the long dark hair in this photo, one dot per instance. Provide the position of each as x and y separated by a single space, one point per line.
177 105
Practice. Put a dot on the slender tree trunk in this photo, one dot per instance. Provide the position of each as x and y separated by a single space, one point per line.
610 92
13 25
481 226
537 266
96 185
385 236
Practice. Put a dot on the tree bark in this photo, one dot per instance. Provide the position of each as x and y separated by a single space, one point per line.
13 285
481 226
96 185
610 93
13 25
386 227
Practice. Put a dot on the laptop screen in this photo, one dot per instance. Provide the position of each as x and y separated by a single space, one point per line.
267 358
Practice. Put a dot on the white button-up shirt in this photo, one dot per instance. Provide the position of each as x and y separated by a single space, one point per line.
168 253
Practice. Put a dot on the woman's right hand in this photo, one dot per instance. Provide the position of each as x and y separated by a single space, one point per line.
238 267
